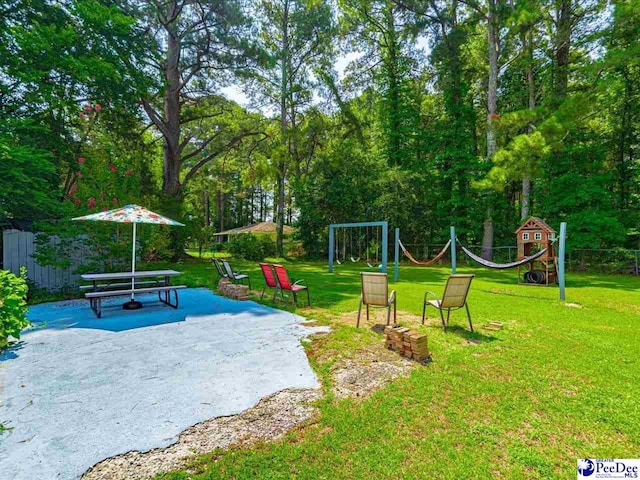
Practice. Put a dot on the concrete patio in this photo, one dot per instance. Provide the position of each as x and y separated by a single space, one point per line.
78 389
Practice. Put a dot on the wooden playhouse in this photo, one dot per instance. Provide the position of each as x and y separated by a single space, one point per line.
535 235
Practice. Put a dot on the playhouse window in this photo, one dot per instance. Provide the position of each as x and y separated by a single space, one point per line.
525 236
538 236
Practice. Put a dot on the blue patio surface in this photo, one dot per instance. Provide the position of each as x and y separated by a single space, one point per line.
77 389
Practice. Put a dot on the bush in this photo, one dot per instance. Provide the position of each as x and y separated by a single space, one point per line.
158 247
251 247
13 305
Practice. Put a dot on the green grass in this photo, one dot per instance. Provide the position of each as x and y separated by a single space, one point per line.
557 383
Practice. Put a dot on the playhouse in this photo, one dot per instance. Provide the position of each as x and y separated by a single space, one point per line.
533 236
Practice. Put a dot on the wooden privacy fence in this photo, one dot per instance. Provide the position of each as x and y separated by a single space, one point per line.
18 248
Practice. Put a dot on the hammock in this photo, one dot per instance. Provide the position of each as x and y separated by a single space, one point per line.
502 266
425 262
354 260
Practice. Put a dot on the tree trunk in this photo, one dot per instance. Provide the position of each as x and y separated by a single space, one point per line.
284 59
395 134
526 198
562 46
171 152
527 45
262 204
207 209
492 106
221 207
280 211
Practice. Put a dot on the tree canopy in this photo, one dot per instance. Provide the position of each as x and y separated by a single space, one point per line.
422 113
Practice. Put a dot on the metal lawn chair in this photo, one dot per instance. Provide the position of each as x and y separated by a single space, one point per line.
375 292
269 279
221 273
454 298
235 277
285 284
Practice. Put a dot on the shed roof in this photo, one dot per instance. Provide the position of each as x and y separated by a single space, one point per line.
535 222
260 227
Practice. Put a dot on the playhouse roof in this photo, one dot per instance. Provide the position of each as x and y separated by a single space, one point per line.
535 223
261 227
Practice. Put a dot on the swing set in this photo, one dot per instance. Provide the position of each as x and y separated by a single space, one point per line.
542 255
367 242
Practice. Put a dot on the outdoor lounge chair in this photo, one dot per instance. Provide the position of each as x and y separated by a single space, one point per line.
285 284
235 277
454 298
221 273
375 292
269 279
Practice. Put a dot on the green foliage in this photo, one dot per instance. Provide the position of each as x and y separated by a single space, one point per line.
28 184
13 305
396 131
251 247
521 158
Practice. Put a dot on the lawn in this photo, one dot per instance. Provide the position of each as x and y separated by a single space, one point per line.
559 382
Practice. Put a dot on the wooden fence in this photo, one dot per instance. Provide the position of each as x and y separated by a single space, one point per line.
17 251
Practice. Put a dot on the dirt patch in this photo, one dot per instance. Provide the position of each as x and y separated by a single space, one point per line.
270 419
367 371
572 305
378 317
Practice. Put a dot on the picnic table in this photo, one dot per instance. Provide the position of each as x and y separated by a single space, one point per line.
104 285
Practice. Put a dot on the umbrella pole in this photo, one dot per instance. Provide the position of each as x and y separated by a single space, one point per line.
133 304
133 263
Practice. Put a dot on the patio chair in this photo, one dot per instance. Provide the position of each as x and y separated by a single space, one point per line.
269 279
235 277
375 292
221 273
454 298
285 284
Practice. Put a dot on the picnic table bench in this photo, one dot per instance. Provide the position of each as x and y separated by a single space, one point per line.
160 284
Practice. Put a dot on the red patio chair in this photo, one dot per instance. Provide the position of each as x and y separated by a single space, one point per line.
269 279
285 284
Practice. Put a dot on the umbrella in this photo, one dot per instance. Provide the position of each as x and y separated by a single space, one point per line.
131 214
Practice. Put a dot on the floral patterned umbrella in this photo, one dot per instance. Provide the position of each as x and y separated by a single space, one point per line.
131 214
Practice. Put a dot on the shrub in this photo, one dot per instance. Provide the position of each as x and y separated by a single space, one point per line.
158 247
294 248
251 247
13 305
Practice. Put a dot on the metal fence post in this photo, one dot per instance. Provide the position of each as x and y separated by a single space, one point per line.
385 246
396 255
563 234
453 250
331 241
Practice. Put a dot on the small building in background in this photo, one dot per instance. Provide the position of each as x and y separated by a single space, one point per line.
260 228
533 236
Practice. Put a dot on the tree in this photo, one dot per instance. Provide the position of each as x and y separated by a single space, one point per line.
197 45
295 34
55 56
381 30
